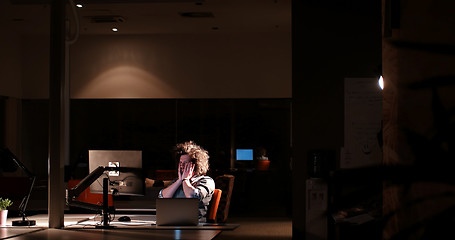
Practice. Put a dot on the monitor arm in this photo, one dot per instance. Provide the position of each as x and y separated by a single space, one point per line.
73 193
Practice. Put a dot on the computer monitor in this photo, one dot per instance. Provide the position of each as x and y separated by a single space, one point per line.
244 154
125 182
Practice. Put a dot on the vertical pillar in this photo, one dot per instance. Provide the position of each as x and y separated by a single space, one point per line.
233 129
56 192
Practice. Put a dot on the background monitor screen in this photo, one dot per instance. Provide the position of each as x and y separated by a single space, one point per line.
131 182
244 154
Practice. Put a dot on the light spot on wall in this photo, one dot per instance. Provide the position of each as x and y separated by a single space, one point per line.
126 82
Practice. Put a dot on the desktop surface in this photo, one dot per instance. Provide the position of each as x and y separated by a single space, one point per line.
137 221
105 234
82 226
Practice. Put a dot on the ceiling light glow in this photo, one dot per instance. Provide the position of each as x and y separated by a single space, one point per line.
114 29
79 5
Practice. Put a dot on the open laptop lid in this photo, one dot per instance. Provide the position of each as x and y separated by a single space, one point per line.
177 211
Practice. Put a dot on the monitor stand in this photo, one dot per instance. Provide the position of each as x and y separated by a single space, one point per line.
105 206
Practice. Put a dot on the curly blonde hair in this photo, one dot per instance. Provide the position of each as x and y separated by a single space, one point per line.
199 156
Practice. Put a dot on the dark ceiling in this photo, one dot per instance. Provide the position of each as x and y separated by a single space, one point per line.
154 16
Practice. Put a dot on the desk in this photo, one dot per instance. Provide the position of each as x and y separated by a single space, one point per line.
111 234
138 228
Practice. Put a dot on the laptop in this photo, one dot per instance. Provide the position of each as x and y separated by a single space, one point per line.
177 211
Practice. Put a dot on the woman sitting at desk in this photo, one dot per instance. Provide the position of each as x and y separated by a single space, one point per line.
192 181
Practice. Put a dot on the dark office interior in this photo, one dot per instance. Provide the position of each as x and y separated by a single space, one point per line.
265 75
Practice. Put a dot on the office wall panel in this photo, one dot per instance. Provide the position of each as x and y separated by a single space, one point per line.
10 66
182 66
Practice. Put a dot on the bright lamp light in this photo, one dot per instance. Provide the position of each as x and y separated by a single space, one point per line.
381 82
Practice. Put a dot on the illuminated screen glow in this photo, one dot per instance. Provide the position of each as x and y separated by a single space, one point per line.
244 154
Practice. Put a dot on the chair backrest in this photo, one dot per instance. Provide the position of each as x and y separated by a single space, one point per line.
213 206
226 184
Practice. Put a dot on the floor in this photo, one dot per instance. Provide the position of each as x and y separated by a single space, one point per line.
252 228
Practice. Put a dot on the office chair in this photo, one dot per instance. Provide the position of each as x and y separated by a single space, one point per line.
226 184
213 206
